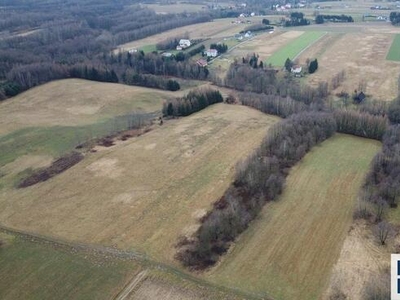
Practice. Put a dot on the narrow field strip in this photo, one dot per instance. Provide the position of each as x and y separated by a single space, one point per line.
394 51
290 249
294 48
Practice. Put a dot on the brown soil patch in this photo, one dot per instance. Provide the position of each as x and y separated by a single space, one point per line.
106 168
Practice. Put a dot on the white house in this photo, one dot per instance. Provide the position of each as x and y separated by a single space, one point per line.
184 43
212 53
296 70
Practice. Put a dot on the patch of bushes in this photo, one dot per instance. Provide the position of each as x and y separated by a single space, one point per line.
60 165
260 178
193 102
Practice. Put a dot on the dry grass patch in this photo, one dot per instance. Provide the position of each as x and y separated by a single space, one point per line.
74 102
365 61
290 249
142 193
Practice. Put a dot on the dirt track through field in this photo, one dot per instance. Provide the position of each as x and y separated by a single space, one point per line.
132 285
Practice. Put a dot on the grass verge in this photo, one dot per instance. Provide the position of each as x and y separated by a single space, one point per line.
293 49
394 51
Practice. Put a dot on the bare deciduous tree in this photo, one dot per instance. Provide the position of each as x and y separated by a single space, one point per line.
382 232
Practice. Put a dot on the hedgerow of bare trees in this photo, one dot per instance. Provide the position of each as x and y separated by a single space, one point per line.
383 180
260 178
360 124
194 101
272 104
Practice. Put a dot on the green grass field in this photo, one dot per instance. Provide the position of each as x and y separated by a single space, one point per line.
39 271
294 48
148 48
394 51
290 249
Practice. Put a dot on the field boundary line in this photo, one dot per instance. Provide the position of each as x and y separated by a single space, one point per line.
110 252
132 285
301 52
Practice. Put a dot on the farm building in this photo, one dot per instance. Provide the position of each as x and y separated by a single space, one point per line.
296 70
202 63
184 43
212 53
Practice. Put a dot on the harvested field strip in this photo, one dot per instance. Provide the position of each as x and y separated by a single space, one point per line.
290 249
394 51
294 48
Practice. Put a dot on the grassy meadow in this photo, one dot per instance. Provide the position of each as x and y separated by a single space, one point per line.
144 193
293 49
290 249
394 51
30 270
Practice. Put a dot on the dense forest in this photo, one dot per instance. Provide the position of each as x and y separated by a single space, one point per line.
46 40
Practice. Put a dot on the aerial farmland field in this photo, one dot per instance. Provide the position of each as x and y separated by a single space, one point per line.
294 48
394 51
290 249
142 194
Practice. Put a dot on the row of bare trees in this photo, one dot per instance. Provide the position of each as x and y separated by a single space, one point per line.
260 178
194 101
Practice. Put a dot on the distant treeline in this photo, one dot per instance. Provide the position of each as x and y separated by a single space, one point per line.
193 102
258 27
296 19
394 18
258 179
60 37
151 81
221 48
320 19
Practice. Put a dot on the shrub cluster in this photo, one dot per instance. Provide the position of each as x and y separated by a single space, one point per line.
361 124
258 179
193 102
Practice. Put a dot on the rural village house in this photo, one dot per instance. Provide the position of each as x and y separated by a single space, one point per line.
212 53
